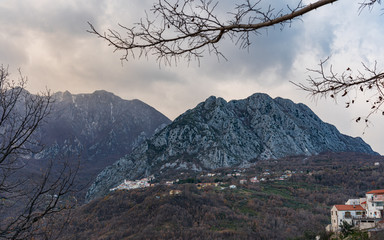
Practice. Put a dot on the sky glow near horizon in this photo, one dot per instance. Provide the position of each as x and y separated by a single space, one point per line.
48 41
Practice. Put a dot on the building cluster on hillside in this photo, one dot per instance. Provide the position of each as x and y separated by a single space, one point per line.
364 213
127 185
204 185
267 175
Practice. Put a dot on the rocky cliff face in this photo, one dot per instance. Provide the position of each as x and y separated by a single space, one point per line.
223 134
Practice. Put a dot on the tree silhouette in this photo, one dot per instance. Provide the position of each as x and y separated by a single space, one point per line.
176 29
26 202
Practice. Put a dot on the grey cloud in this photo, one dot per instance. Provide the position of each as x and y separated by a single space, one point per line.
51 16
49 38
11 53
274 49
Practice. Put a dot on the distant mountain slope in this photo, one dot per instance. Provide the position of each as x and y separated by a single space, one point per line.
218 134
97 126
95 130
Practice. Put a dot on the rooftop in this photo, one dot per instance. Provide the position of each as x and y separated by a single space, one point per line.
379 191
349 208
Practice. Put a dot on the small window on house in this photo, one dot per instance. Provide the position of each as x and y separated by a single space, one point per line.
359 213
348 215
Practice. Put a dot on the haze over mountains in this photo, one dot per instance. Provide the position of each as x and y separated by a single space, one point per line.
219 134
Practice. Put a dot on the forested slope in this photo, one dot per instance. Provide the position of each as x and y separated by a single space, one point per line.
297 208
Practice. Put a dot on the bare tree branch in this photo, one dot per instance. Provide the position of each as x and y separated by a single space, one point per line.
176 29
188 28
25 204
327 83
368 4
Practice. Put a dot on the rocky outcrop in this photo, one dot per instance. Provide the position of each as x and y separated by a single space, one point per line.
218 134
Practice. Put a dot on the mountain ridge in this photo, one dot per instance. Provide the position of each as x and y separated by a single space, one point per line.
90 131
95 124
217 133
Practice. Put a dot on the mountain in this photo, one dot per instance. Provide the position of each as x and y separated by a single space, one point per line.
97 126
219 134
94 129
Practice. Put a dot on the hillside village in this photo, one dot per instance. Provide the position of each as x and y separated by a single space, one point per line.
232 178
242 202
210 179
366 213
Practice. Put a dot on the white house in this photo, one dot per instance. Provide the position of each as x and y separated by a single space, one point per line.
243 181
169 183
375 203
340 213
254 180
353 201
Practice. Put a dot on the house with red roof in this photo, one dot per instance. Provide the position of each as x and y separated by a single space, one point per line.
363 212
347 213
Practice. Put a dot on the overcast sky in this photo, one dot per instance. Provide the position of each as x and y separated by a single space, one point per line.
48 41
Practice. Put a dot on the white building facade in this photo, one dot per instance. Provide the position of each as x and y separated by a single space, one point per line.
347 213
375 203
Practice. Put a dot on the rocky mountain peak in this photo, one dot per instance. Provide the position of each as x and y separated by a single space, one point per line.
217 133
97 125
213 102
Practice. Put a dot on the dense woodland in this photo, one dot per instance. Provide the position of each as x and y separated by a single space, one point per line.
297 208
